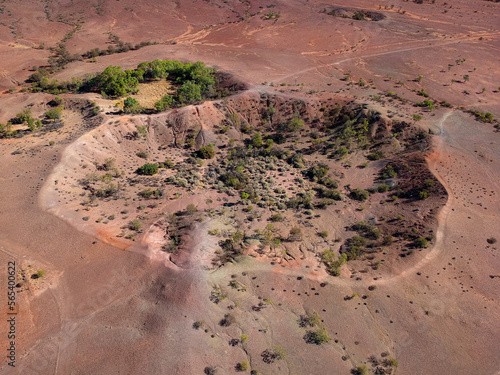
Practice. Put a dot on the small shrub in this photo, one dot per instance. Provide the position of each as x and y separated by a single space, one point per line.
310 320
40 273
392 362
191 209
388 240
323 234
148 193
276 353
227 320
423 195
342 152
135 225
360 194
360 370
198 324
421 242
318 337
382 188
295 234
295 124
206 152
277 218
376 155
210 370
131 105
148 169
54 114
243 366
491 240
257 140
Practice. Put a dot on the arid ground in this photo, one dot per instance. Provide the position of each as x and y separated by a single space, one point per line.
383 144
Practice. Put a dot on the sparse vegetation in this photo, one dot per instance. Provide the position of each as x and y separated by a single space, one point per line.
421 242
491 240
318 337
135 225
148 169
206 152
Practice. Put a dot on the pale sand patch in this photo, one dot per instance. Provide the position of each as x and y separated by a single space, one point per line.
149 93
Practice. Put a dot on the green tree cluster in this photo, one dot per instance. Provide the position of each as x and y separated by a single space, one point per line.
115 82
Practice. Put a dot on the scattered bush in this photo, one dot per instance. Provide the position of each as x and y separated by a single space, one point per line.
376 155
333 264
135 225
148 193
421 242
276 353
323 234
54 114
295 234
310 320
360 194
388 240
148 169
191 209
206 152
423 194
164 103
227 320
360 370
210 370
392 362
277 218
491 240
243 366
382 188
131 105
318 337
40 273
198 324
295 124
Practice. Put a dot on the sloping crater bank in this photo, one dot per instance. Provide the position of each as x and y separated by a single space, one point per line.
317 182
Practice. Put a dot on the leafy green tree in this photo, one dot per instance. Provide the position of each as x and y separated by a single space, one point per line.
257 140
54 114
131 105
115 82
189 92
22 117
295 124
31 123
164 103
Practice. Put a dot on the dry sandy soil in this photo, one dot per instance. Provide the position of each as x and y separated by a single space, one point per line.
108 304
